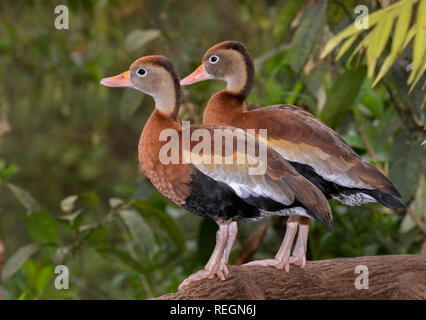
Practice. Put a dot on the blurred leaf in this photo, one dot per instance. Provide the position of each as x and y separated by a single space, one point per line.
115 202
379 38
67 204
336 11
164 220
341 96
206 239
375 17
43 278
42 228
399 40
419 48
306 35
346 45
98 238
127 259
138 38
285 17
7 171
139 230
406 163
18 259
74 219
91 199
373 103
354 141
24 197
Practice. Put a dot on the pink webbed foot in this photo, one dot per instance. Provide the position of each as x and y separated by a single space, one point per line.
222 272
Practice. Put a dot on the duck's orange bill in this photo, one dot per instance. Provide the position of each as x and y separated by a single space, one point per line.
198 75
122 80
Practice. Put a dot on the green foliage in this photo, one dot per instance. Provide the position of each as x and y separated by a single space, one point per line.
70 192
342 95
382 22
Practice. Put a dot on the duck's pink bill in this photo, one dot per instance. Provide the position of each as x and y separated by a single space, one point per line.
122 80
198 75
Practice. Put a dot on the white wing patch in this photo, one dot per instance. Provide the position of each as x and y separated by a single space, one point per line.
245 185
355 199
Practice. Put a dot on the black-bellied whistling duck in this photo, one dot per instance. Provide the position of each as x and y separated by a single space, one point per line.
224 192
313 149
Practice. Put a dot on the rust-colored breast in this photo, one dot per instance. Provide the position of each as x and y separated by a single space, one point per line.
171 180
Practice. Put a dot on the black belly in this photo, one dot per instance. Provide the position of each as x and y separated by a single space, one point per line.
216 200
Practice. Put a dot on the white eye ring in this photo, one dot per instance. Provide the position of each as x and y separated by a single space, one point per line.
213 59
141 72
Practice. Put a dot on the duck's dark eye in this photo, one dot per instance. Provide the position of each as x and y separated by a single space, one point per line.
141 72
213 59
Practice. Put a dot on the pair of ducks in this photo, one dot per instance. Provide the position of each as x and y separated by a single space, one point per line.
306 162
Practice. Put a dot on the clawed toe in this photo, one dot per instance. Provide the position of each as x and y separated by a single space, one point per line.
222 272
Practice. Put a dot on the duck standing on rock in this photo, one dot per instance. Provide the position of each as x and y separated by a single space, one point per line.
316 151
225 191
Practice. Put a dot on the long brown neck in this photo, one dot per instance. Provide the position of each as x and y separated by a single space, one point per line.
222 106
149 142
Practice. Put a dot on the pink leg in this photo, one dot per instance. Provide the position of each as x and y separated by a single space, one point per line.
212 267
281 260
299 253
232 235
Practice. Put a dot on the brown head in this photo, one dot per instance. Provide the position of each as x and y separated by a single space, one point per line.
228 61
155 76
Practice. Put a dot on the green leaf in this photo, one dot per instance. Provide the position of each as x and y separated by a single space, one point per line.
419 48
379 38
342 95
139 229
406 163
72 220
24 198
42 228
16 261
91 199
43 278
285 17
67 204
7 171
307 34
98 238
346 45
166 223
375 17
390 59
138 38
128 260
372 102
